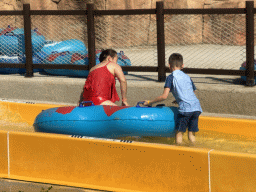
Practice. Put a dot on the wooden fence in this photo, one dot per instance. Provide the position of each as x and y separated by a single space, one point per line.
161 69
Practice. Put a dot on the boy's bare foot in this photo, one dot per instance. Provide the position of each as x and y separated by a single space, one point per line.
178 137
191 137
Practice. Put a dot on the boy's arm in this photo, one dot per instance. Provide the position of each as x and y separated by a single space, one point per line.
159 98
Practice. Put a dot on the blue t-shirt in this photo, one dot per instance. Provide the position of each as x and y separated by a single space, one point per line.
182 88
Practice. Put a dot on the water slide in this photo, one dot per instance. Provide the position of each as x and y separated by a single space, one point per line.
226 147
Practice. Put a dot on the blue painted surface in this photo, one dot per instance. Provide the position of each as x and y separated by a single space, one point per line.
93 121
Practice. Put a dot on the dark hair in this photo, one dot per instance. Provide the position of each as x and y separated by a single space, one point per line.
176 60
108 52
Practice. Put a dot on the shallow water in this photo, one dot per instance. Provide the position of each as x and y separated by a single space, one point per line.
10 121
209 140
218 143
204 139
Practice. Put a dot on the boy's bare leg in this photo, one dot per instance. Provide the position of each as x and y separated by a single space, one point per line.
108 103
178 137
191 136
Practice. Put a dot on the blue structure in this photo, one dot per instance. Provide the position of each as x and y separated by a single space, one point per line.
104 121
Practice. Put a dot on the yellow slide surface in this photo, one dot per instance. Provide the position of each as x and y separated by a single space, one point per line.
27 111
115 165
231 127
3 154
121 166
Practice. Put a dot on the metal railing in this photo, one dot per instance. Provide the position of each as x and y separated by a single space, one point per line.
160 14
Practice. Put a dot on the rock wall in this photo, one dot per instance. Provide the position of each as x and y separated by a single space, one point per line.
135 30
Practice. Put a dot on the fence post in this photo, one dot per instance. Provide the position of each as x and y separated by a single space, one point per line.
91 35
28 41
160 41
250 43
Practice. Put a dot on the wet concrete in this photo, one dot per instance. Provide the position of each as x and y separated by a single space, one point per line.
8 185
217 94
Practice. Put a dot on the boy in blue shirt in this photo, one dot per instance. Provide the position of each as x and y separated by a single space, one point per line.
182 88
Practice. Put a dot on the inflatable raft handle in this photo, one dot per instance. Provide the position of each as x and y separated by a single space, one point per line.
140 102
9 33
81 104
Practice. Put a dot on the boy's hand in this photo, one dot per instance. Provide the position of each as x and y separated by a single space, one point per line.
146 103
174 102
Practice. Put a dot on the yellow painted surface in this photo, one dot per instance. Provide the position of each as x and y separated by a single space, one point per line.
233 128
116 166
108 164
3 154
27 111
232 172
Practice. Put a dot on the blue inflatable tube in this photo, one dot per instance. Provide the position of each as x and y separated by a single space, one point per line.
12 41
63 53
71 45
104 121
67 57
243 67
74 58
17 59
36 60
10 59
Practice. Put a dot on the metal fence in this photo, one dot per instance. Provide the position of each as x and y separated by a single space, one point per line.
212 41
207 41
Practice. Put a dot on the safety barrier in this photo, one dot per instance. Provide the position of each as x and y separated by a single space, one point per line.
232 171
4 154
106 165
116 165
242 129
